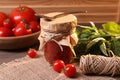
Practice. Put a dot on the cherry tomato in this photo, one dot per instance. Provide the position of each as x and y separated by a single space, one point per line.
22 13
5 32
22 29
58 65
8 23
70 70
3 16
32 53
35 26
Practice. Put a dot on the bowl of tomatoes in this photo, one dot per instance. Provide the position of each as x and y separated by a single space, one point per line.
19 29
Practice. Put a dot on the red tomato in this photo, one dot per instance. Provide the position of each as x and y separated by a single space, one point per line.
8 23
4 32
35 26
58 65
22 13
3 16
32 53
70 70
22 29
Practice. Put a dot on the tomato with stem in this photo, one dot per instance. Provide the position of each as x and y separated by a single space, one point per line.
3 17
8 23
58 65
5 32
70 70
34 26
32 53
22 29
22 13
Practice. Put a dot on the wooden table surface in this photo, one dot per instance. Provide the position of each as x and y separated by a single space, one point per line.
99 11
7 56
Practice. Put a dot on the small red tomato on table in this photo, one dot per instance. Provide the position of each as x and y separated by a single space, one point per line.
22 13
32 53
58 65
70 70
22 29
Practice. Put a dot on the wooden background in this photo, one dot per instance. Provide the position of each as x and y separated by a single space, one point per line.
99 11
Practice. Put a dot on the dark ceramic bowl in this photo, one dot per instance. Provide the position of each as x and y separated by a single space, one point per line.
10 43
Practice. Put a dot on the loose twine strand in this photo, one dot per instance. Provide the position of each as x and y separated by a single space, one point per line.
96 64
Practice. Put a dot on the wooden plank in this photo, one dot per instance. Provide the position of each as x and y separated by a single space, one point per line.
118 12
98 10
58 3
90 9
95 13
96 18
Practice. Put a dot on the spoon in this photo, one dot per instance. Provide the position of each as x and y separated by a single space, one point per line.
59 15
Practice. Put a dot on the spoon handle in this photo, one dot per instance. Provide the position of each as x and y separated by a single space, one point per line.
59 15
65 13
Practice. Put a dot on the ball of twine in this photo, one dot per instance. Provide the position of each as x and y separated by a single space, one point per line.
101 65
